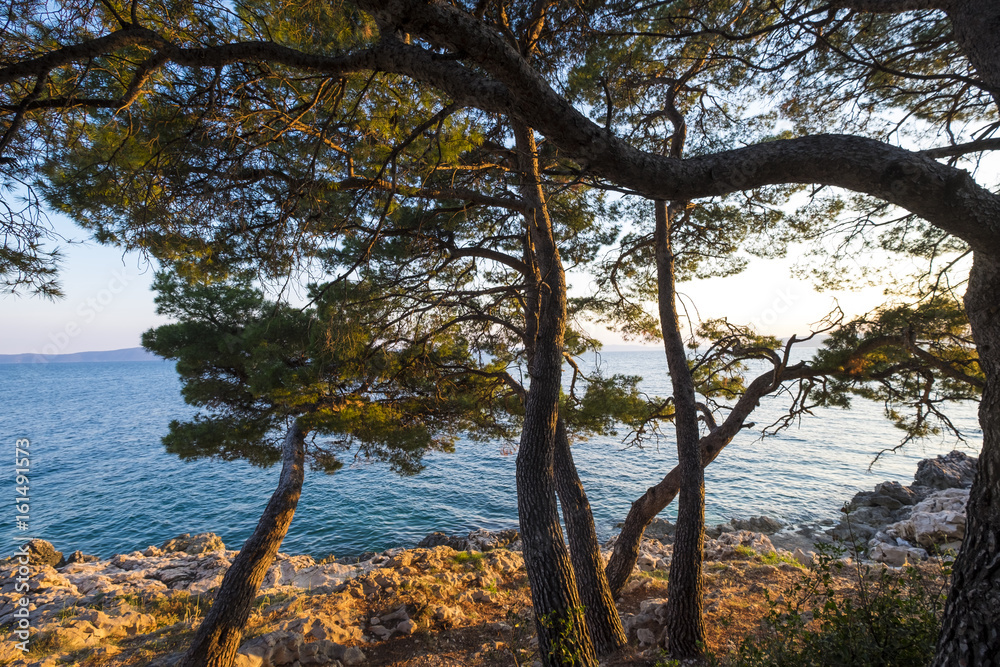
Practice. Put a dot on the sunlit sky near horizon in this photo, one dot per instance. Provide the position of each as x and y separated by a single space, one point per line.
108 302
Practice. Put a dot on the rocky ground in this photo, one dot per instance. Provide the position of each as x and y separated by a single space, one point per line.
451 601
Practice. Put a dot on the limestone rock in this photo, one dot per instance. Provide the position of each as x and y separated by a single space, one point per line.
322 626
660 529
650 619
437 539
194 544
304 572
758 524
713 532
646 563
949 471
895 555
41 552
400 614
353 656
937 519
803 557
281 648
80 557
645 637
449 616
733 545
477 540
171 659
904 494
503 561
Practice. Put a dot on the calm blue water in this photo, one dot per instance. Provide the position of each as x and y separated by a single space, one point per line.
101 481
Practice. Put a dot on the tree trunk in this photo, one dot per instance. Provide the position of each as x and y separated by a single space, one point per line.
563 638
656 498
685 624
585 554
970 631
976 24
218 637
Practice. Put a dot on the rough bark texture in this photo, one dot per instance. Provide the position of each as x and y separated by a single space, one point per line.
501 81
970 633
219 635
598 604
977 24
946 196
563 638
685 622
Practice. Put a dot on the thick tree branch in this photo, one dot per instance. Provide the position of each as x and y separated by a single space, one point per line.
947 197
943 195
910 343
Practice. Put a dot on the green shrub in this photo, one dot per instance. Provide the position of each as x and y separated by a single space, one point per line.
473 559
891 619
662 575
774 558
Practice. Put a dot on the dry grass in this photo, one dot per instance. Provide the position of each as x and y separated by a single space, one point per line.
494 633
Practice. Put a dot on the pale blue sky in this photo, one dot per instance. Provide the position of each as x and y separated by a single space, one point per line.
108 303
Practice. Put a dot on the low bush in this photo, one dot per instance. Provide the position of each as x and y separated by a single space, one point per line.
890 618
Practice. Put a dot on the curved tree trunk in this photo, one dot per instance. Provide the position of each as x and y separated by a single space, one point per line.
656 498
685 623
218 637
563 638
598 604
970 631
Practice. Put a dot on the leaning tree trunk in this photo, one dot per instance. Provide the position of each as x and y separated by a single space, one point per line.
598 604
970 632
563 637
685 623
219 635
656 498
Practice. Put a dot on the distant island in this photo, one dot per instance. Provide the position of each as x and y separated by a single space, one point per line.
128 354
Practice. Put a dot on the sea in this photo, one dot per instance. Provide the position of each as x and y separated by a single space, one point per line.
101 481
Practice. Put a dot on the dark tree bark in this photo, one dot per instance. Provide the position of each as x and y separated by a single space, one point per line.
658 497
685 623
977 24
598 603
218 637
563 637
970 632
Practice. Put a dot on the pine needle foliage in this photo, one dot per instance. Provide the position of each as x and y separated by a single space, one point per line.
253 364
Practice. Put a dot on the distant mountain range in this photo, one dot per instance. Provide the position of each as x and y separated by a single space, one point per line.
128 354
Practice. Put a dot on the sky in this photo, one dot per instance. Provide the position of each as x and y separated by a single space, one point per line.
108 302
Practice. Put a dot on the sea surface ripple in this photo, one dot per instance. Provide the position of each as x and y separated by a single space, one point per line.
102 482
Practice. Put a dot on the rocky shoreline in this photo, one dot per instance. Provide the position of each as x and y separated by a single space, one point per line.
87 606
